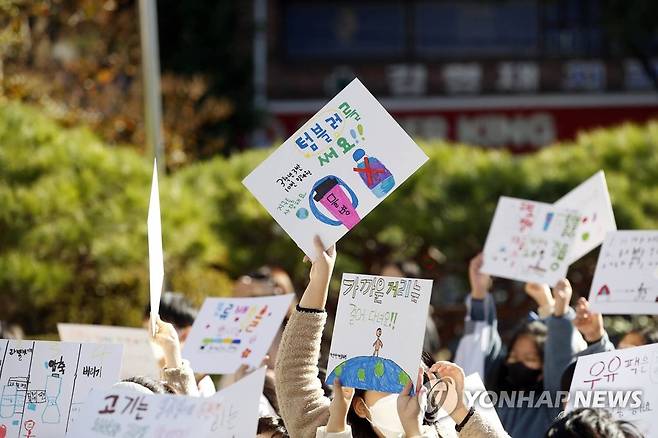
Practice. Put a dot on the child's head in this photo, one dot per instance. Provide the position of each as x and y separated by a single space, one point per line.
379 409
525 360
145 385
271 427
591 423
177 310
636 338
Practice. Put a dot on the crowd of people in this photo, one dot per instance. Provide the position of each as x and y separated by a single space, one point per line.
297 402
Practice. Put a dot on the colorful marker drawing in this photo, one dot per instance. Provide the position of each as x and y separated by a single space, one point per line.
328 192
371 372
378 344
373 173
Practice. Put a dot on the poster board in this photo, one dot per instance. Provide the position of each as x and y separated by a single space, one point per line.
139 358
378 331
626 276
530 241
231 413
592 199
156 256
623 381
335 169
229 332
43 384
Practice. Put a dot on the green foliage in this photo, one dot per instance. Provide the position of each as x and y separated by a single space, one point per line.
73 218
73 228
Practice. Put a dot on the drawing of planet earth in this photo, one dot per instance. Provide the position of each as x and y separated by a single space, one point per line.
370 372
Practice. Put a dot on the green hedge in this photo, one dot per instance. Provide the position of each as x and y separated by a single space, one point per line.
73 215
73 228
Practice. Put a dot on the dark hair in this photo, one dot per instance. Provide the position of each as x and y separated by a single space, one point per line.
176 309
361 427
591 423
273 425
155 386
536 330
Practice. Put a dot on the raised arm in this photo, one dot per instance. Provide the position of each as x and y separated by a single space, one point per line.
176 372
302 402
481 346
563 341
590 325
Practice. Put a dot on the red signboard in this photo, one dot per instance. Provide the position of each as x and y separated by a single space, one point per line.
519 123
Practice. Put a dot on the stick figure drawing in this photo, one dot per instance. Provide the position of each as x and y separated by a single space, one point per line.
378 343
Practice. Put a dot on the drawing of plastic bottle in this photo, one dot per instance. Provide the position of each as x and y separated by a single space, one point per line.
8 401
330 192
51 414
373 173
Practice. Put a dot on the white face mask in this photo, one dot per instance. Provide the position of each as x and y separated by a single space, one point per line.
384 416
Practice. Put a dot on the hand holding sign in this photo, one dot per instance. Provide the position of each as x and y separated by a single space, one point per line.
156 257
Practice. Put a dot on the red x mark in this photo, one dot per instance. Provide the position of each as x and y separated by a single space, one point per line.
369 171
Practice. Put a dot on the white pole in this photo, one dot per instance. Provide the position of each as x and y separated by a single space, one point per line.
151 81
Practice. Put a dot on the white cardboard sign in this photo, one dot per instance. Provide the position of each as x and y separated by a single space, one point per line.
229 332
592 199
335 169
156 256
43 384
232 412
378 332
626 276
623 381
530 241
138 355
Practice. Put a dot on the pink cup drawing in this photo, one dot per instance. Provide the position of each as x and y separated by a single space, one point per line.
332 192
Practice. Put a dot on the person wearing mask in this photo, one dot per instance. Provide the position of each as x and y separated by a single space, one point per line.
535 359
306 410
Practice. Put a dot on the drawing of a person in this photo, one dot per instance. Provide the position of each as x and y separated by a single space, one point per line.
378 343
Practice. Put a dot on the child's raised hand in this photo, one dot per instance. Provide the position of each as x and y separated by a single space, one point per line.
540 293
409 408
588 323
315 296
339 407
167 338
562 294
480 282
453 374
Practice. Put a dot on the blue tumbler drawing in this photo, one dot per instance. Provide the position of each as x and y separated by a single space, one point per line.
373 173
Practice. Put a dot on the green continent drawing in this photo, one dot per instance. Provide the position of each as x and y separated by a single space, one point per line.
379 369
370 372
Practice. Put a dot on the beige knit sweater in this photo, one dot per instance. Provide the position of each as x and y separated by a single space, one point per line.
303 405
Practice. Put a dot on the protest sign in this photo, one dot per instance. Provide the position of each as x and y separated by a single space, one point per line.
378 332
229 332
530 241
139 357
626 276
335 169
592 199
232 412
156 257
623 381
43 384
